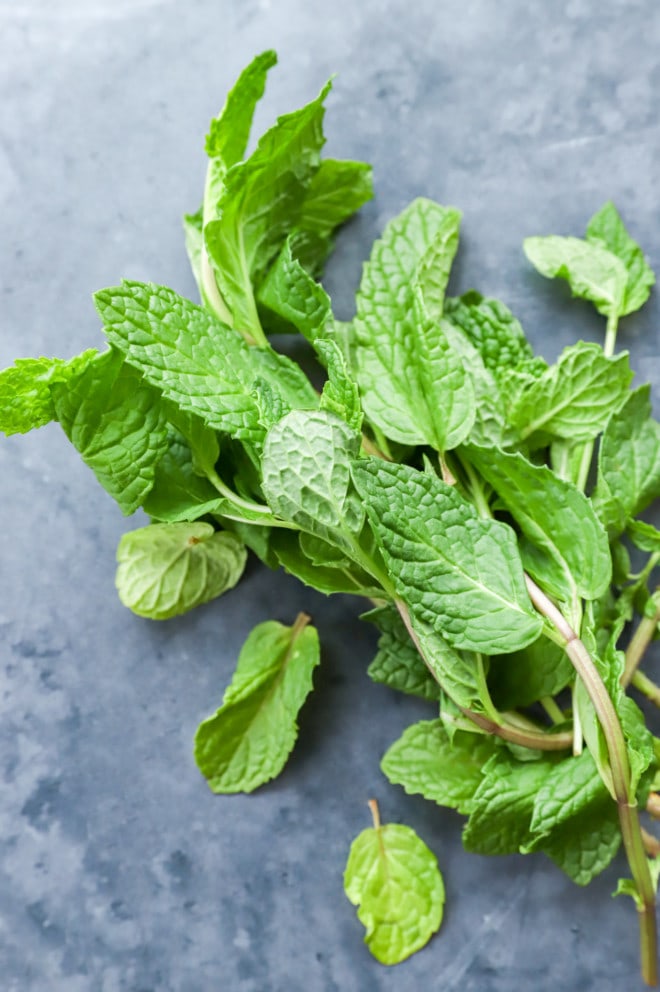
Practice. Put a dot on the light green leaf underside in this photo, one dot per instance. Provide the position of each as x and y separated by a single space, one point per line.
393 878
592 272
306 475
607 229
248 740
556 517
167 569
198 363
460 574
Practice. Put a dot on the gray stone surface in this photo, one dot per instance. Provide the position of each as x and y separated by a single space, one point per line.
119 871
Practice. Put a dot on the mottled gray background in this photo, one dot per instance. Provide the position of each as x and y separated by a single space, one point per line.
119 871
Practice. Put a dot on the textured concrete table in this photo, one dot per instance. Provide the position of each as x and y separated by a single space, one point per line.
119 871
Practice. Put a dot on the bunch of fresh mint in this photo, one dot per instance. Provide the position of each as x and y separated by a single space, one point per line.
483 502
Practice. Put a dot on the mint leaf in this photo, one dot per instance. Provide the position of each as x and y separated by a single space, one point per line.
413 384
117 423
200 364
178 492
592 272
260 204
628 462
306 475
493 330
290 292
336 191
25 397
458 573
425 761
398 663
556 518
393 878
167 569
193 230
607 229
575 398
644 536
340 393
523 677
287 546
248 740
502 806
229 132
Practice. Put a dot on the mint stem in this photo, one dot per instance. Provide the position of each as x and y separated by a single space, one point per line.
588 449
640 641
620 768
647 687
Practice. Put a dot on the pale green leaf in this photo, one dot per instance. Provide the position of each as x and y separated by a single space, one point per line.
592 272
229 132
393 878
167 569
336 191
607 229
644 536
456 572
248 740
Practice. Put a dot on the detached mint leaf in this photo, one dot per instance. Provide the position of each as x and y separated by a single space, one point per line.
230 130
456 572
628 462
413 385
607 229
556 518
448 771
260 204
398 663
25 397
117 422
199 363
306 475
168 569
575 398
393 878
247 742
592 272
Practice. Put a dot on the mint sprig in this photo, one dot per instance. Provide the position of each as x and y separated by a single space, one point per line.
436 467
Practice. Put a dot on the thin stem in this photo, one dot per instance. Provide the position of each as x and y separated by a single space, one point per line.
375 813
578 736
648 688
552 709
620 768
484 692
653 805
476 489
588 447
640 641
610 335
247 505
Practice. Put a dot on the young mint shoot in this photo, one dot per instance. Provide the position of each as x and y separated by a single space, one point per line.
444 473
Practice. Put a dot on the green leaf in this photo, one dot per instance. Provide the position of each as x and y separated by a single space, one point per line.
398 663
592 272
607 229
336 191
393 878
25 397
117 423
340 393
306 475
493 330
644 536
290 292
426 762
230 130
502 806
456 572
556 518
167 569
248 740
260 204
413 384
628 462
199 363
286 546
575 398
575 821
193 231
179 493
523 677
